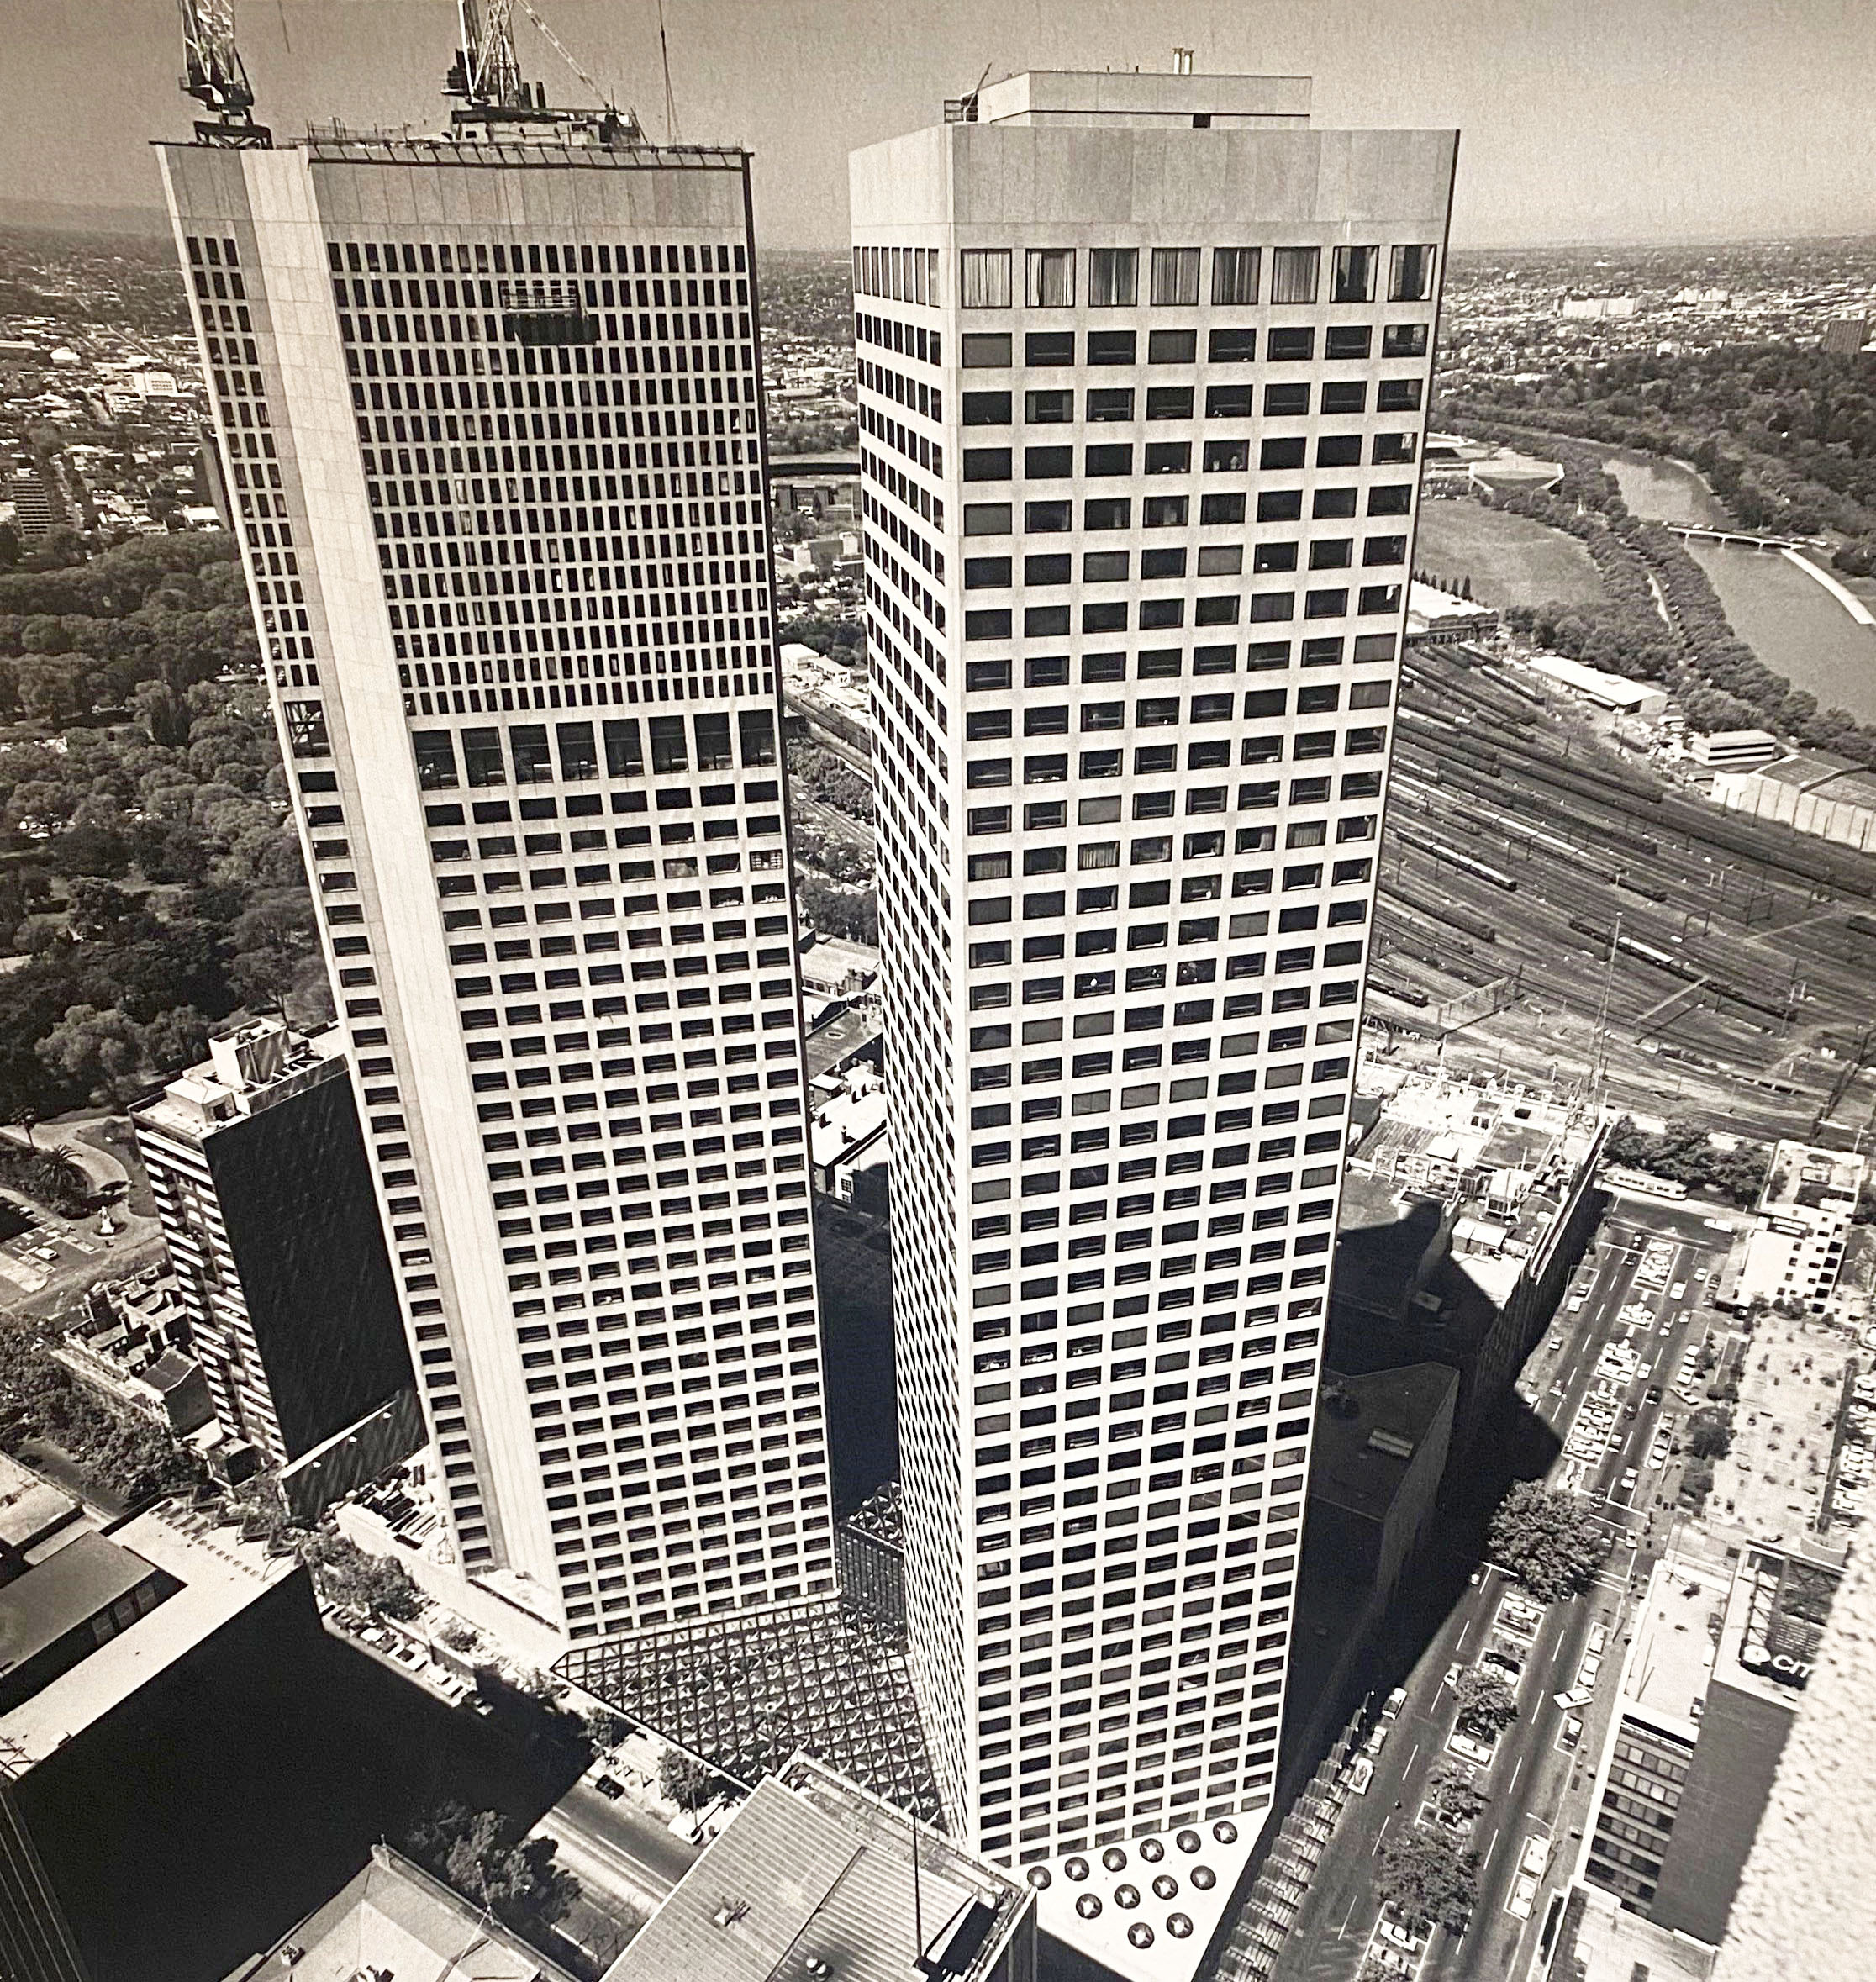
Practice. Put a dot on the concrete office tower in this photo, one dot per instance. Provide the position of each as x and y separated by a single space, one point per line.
490 409
1143 365
258 1165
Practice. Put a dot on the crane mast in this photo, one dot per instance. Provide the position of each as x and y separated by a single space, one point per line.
213 73
486 73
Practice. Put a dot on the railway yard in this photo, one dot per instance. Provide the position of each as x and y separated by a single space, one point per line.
1558 910
1541 892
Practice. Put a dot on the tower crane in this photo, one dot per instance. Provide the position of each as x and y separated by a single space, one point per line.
487 72
213 75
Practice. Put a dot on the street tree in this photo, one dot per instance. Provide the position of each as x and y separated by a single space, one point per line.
478 1852
1486 1702
1426 1877
1549 1541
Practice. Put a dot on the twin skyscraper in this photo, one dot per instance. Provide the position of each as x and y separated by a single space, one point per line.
1143 368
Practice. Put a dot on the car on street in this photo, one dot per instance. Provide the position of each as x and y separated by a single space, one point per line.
1523 1897
1571 1733
1629 1479
1469 1748
609 1787
1452 1673
1599 1639
1394 1703
1589 1672
1573 1700
1678 1291
1361 1774
1377 1734
1536 1857
1654 1393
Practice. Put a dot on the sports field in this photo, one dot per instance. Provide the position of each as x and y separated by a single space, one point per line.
1511 560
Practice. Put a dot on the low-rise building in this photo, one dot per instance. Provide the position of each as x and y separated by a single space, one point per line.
1705 1707
130 1343
814 1878
394 1920
1735 750
1811 793
1794 1250
1464 1210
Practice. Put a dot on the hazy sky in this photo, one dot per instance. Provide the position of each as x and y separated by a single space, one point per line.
1582 119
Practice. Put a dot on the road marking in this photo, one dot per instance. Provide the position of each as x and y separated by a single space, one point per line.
1383 1832
1465 1634
1348 1916
1411 1753
1486 1860
1512 1784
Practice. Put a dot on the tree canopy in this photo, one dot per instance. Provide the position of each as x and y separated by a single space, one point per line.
479 1853
1549 1541
1427 1877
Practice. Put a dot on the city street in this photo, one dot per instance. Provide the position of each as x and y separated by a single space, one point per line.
1536 1781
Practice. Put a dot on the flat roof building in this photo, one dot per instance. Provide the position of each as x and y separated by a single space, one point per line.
257 1164
508 551
814 1878
1143 366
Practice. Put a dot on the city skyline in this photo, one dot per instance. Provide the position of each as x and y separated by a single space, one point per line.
1618 125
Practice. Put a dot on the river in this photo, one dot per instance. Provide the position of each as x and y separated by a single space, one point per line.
1790 620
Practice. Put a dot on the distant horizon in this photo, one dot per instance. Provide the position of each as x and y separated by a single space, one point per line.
1612 122
154 224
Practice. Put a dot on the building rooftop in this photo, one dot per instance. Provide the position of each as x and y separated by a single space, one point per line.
57 1595
1039 96
1360 1457
814 1878
393 1921
220 1576
248 1070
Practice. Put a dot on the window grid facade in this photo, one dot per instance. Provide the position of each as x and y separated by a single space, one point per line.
1137 538
556 901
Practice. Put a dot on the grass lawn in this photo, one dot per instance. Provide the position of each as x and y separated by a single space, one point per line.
1511 560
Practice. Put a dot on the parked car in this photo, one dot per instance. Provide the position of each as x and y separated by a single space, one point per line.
1394 1703
1361 1775
1654 1393
1536 1857
1524 1897
1598 1638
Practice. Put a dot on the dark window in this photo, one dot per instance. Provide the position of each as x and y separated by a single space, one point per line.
1404 340
1167 563
669 745
1049 407
982 349
482 760
1055 568
1288 346
1283 402
1398 395
1333 502
1110 402
1049 347
1048 464
1346 340
987 519
1169 401
1231 402
713 744
527 745
1285 452
1280 505
756 733
1172 347
1107 513
1233 346
985 573
1337 451
1163 512
987 464
1390 498
1346 395
986 410
1045 622
1168 457
1230 457
579 755
1048 516
1110 347
436 764
988 625
1221 508
1113 457
1351 276
625 754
